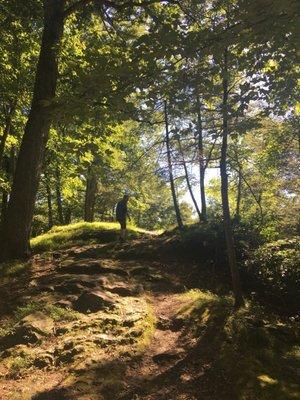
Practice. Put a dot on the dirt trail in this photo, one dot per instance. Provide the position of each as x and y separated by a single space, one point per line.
122 335
97 322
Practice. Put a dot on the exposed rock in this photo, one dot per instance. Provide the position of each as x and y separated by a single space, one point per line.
62 330
43 360
139 270
69 287
64 304
158 278
177 323
31 329
91 268
54 394
93 301
104 340
38 322
165 357
121 290
163 323
46 288
68 356
130 320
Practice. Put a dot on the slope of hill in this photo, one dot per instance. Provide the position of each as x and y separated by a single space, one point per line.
90 318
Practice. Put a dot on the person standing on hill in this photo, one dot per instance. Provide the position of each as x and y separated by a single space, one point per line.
121 215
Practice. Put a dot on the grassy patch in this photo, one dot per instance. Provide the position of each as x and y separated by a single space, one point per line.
13 268
19 364
57 313
80 233
147 325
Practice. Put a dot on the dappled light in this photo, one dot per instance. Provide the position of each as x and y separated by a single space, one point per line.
149 200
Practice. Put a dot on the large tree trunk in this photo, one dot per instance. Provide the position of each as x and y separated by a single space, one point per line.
176 206
188 182
59 206
90 195
201 161
224 192
15 236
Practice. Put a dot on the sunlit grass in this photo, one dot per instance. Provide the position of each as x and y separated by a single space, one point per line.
81 233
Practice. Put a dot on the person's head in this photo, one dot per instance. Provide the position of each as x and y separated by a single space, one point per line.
126 197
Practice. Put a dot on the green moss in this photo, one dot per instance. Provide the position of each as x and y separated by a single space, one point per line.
80 233
147 326
12 268
20 364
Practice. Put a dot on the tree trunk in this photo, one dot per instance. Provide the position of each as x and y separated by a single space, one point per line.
68 216
201 161
90 195
224 192
58 197
187 178
7 129
3 206
15 236
239 195
176 206
8 165
49 202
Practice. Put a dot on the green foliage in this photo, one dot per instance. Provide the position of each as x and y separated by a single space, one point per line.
275 270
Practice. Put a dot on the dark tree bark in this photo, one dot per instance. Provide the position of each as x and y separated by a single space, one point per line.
3 206
15 237
90 195
188 182
224 193
201 161
7 128
68 215
176 206
8 165
59 205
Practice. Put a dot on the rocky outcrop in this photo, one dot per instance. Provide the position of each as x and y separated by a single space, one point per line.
94 301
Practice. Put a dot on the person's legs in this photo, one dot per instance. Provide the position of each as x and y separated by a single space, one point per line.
123 230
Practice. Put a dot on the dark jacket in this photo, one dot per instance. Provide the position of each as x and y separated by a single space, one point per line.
121 210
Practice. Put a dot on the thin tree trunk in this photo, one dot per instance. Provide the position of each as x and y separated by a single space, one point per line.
49 202
188 182
224 192
68 215
201 161
90 195
8 165
15 236
239 195
58 197
7 129
4 205
176 206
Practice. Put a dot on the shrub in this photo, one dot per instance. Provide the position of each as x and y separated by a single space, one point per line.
274 269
